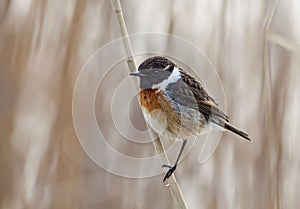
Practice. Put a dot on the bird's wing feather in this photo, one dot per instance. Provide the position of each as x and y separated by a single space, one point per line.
181 94
189 92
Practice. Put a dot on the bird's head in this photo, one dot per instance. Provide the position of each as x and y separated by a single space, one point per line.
156 72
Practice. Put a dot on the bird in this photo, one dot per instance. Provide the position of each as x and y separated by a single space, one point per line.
176 104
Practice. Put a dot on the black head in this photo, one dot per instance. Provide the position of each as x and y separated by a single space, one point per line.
153 71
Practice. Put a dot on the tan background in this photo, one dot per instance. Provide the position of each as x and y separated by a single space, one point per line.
43 45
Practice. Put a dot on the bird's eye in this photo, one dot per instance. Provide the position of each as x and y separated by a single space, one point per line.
156 72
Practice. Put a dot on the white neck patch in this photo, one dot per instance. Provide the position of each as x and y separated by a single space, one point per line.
174 77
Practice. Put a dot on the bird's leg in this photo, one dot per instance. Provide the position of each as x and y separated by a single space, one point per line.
172 168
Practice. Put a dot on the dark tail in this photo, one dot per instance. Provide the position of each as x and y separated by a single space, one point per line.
236 131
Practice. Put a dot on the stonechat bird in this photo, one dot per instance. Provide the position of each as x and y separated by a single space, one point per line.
174 103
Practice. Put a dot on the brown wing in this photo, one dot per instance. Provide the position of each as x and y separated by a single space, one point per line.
205 103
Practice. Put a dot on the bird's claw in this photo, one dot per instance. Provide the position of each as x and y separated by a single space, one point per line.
170 171
166 166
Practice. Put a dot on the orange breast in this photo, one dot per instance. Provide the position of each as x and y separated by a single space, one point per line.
151 100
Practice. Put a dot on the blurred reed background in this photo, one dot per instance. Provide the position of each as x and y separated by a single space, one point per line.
43 46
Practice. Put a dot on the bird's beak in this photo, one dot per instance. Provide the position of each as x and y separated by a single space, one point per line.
137 73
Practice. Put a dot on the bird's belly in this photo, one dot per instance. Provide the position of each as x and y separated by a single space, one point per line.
187 128
156 119
192 124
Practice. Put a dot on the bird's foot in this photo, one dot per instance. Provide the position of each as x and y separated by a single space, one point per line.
170 171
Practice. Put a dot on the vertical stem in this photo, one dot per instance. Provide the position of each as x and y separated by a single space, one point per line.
272 145
172 183
116 5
